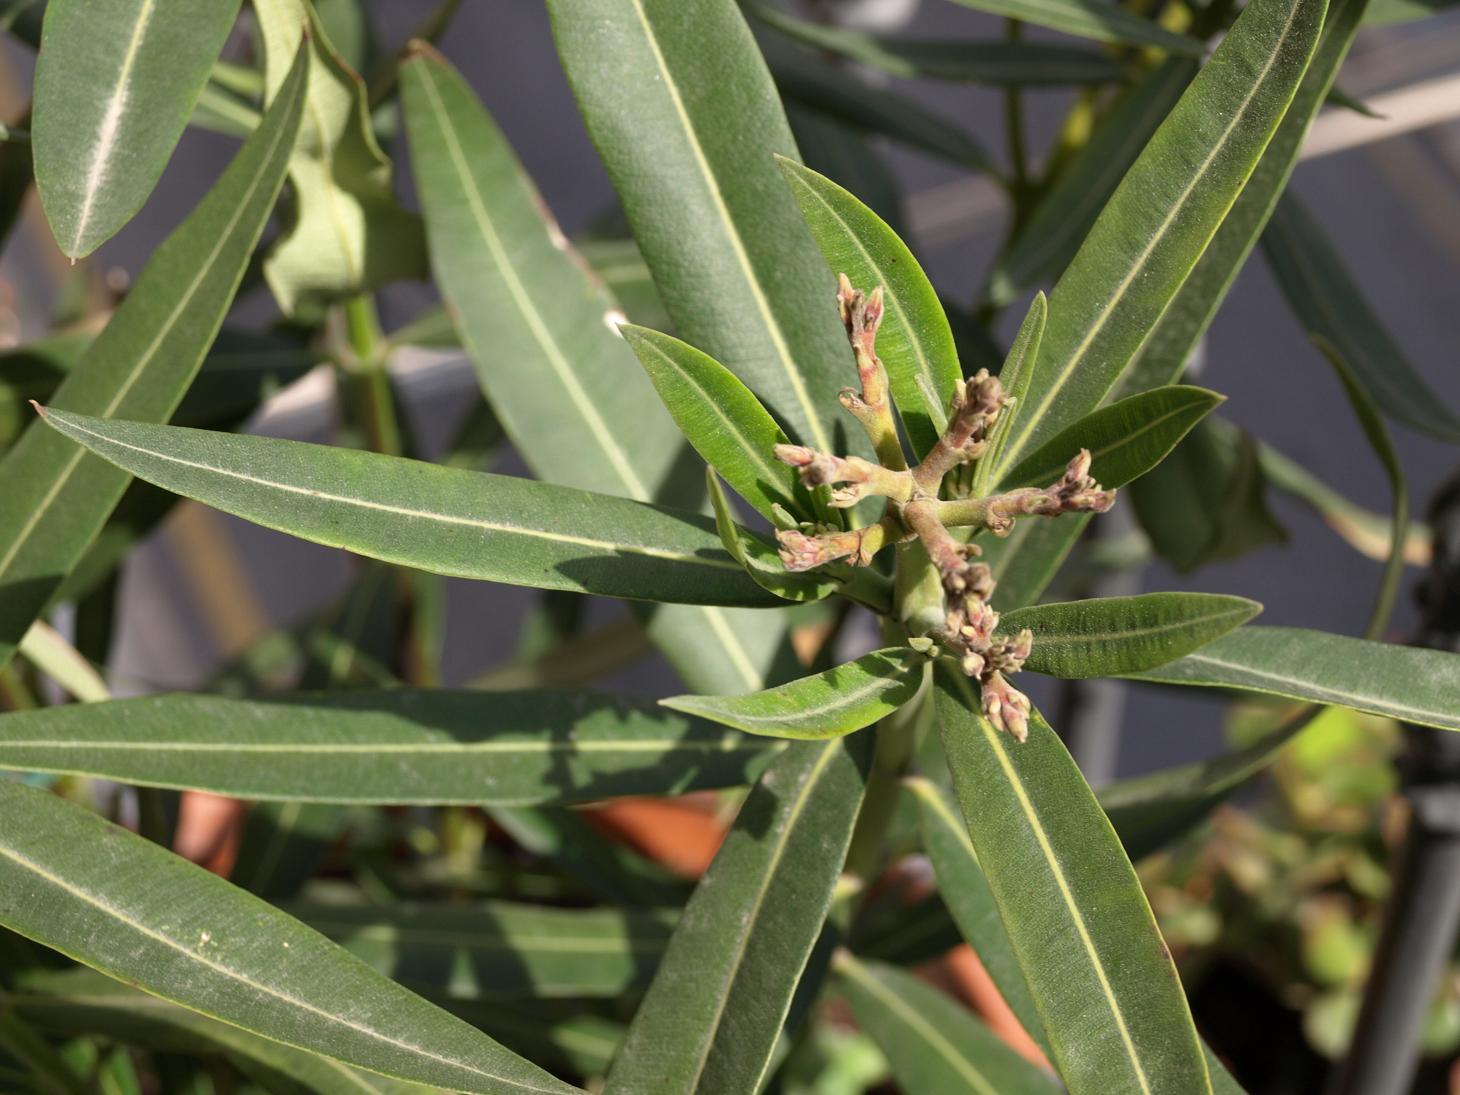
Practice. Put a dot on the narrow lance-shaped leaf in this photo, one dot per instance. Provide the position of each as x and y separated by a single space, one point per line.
400 746
1014 375
114 87
710 1020
1100 974
126 907
825 705
80 1001
759 559
1108 636
1126 439
56 497
1362 529
1152 809
1156 224
1102 22
969 899
1165 354
1361 400
348 232
914 342
540 329
1399 682
1330 306
966 893
465 524
809 84
686 119
933 1042
1049 239
1015 64
498 949
722 419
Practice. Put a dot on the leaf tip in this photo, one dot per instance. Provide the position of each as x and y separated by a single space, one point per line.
40 410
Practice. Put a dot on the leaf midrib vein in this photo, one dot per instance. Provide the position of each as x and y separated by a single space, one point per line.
428 515
143 359
117 914
732 233
1112 303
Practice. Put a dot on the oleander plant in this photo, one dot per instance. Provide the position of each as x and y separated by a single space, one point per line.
850 519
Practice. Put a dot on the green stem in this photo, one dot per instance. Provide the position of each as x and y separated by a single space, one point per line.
1014 123
365 379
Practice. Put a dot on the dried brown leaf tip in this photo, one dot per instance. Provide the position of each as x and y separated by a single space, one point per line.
922 503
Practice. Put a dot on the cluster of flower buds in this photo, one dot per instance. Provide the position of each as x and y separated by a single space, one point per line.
914 508
968 631
1073 492
975 408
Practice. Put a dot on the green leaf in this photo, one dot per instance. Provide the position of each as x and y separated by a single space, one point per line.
595 859
722 419
914 342
1015 375
56 497
1044 245
824 88
1099 21
1208 501
962 882
400 746
114 88
826 705
1024 562
933 1042
491 527
1363 403
1015 64
711 1018
126 907
1100 974
541 331
686 119
1165 353
347 233
760 559
1329 305
1384 13
966 892
46 649
1164 213
1399 682
1150 810
1362 529
1126 439
83 1002
1109 636
498 949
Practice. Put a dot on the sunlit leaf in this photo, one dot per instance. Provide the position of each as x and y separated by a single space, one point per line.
933 1042
825 705
57 497
393 747
1097 968
492 527
1126 439
914 341
1399 682
710 1020
1161 217
114 87
138 913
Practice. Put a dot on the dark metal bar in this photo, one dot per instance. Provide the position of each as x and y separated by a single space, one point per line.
1423 913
